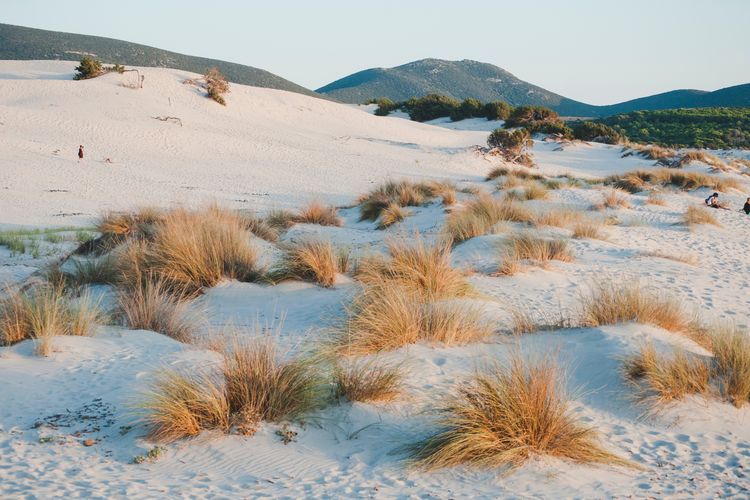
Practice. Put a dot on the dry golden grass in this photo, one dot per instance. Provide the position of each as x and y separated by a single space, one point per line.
480 216
640 180
265 384
611 303
590 228
44 312
525 246
191 250
654 198
387 316
419 267
317 212
613 198
402 193
535 191
699 215
311 260
506 415
259 227
731 349
519 173
702 156
652 152
366 380
280 219
150 306
560 217
663 379
685 258
183 404
390 215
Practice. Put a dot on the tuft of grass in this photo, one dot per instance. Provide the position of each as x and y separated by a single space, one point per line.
103 270
591 229
613 198
663 379
44 312
611 303
686 258
654 198
505 415
535 191
702 156
519 173
731 349
419 267
390 215
150 306
260 227
639 180
310 260
698 215
280 219
387 316
525 246
367 380
182 404
404 194
316 212
480 215
265 384
191 250
560 217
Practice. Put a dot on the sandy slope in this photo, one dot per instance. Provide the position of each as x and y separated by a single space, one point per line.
291 147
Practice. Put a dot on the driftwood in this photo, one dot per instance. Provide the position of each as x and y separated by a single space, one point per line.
171 119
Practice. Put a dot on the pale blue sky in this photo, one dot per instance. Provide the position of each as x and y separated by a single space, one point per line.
597 51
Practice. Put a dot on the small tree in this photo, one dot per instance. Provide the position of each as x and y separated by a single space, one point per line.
469 108
216 85
497 110
512 145
385 106
89 68
596 132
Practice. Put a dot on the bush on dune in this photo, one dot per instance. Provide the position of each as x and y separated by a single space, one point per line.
699 215
512 145
505 415
402 194
216 85
596 132
731 349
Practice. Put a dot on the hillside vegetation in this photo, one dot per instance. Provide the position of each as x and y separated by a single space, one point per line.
20 43
715 128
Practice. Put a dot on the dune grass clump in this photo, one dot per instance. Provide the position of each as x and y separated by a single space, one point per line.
527 247
260 227
391 215
255 382
311 260
386 316
44 312
100 271
519 173
419 267
404 194
731 349
560 217
702 156
280 219
698 215
480 215
191 250
612 303
316 212
531 191
366 380
640 180
662 378
655 198
151 306
589 229
613 198
183 404
505 415
652 152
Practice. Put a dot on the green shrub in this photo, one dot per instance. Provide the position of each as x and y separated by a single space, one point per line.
469 108
88 68
497 110
431 106
385 106
596 132
528 116
512 145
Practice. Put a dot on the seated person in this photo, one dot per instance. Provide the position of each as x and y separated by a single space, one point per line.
713 201
746 208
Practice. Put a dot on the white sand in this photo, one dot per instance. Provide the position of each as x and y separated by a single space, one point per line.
270 148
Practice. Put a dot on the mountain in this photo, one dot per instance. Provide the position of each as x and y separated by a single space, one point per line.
457 79
486 82
21 43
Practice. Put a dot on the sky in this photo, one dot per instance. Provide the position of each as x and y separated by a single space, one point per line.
595 51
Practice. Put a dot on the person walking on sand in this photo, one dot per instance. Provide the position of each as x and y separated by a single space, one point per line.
80 153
